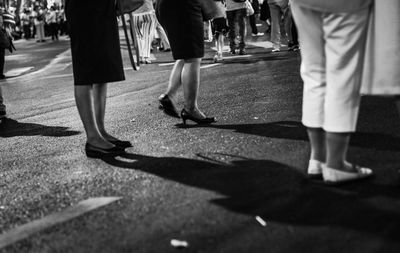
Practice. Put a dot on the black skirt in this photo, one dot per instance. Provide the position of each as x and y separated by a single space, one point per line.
182 20
95 47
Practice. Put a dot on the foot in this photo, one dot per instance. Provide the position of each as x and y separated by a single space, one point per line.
3 114
242 52
314 169
275 50
2 76
168 106
233 51
349 172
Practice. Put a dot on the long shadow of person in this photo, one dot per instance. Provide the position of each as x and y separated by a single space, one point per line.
294 130
279 193
12 128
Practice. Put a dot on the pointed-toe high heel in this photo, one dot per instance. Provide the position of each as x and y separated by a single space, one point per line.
121 144
168 106
97 152
185 115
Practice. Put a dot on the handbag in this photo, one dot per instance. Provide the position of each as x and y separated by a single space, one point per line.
128 6
209 9
249 8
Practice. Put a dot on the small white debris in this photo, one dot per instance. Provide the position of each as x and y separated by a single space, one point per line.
2 207
261 221
179 244
133 120
255 117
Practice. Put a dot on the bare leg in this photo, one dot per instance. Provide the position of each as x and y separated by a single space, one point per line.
86 109
337 145
99 101
318 144
175 80
191 81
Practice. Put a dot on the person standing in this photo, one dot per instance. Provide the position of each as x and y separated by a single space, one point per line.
183 23
220 29
144 22
93 29
279 9
236 13
332 38
51 20
26 24
38 19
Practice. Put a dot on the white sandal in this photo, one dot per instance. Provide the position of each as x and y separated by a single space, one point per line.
334 176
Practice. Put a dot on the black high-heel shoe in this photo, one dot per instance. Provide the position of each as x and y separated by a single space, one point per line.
97 152
185 115
168 106
121 144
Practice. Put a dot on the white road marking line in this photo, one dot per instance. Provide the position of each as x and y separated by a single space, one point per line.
238 56
166 64
69 213
210 65
17 71
264 44
57 76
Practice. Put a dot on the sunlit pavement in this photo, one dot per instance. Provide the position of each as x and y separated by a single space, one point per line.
203 185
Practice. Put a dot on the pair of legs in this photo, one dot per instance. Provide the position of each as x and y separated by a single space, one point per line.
219 43
91 103
331 70
186 73
237 17
144 28
40 31
2 105
279 10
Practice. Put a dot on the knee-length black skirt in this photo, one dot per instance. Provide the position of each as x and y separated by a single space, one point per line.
182 20
95 47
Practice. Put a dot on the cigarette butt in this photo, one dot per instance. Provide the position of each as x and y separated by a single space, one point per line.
179 244
261 221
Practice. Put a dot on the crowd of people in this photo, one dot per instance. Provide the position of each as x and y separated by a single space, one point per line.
332 36
38 22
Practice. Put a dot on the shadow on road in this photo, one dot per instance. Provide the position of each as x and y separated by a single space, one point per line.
12 128
294 130
280 193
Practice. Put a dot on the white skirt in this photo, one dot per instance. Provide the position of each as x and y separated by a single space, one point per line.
381 74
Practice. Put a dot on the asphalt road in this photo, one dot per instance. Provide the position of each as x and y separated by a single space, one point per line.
204 185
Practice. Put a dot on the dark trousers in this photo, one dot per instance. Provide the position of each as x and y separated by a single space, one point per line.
2 59
252 19
53 31
237 17
27 31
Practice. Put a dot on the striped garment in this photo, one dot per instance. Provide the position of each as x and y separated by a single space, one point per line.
144 28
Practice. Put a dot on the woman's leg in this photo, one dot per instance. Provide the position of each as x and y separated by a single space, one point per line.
175 79
86 108
318 144
99 102
191 81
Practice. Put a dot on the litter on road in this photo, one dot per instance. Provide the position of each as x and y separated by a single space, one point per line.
179 244
261 221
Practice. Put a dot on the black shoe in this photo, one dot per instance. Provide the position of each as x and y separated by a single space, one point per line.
2 114
2 76
185 115
96 152
242 52
167 106
121 144
233 51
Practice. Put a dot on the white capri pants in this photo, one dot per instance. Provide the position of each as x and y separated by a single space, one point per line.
332 50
